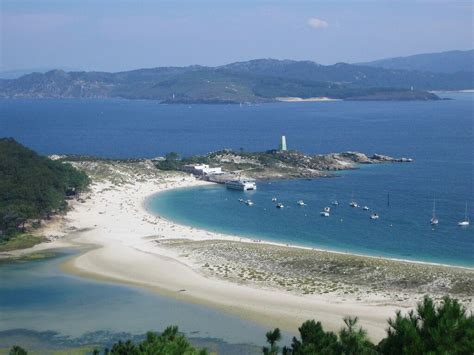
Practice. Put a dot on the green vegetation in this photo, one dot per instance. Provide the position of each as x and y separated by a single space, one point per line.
32 187
17 350
169 342
255 81
446 328
443 329
19 241
172 162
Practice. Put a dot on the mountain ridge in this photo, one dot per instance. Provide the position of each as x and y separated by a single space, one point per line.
438 62
254 81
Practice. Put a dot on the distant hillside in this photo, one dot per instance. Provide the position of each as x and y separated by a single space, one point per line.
254 81
14 74
444 62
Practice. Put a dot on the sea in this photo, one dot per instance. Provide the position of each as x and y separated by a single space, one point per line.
437 135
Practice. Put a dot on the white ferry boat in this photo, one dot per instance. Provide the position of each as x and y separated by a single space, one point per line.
241 185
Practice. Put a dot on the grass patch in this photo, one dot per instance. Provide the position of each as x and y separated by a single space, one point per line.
20 241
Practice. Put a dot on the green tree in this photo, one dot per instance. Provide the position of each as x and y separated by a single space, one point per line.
314 340
353 339
32 186
273 336
443 329
170 342
17 350
124 348
172 162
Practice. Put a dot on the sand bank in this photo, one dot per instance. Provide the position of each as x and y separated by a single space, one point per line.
133 247
309 99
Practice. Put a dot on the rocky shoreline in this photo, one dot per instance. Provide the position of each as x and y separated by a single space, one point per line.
275 164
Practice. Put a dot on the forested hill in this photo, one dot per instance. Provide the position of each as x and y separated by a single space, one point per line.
32 186
443 62
262 80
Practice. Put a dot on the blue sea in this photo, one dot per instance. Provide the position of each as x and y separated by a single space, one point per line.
438 135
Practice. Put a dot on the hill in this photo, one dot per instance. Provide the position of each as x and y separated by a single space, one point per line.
255 81
443 62
32 186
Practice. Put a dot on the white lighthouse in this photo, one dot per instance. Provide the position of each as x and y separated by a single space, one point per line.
283 143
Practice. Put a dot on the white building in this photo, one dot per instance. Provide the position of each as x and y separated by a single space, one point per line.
202 169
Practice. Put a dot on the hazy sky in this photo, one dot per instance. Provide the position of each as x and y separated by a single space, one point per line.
117 35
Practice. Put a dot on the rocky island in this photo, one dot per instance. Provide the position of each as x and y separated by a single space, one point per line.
275 164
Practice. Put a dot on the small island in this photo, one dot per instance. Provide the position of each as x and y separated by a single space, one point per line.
227 164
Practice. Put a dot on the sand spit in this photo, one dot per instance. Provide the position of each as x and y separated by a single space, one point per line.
271 284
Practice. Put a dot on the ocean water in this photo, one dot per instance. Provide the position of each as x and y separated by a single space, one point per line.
438 135
37 296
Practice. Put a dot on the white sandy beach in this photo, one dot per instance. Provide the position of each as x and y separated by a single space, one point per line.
126 239
309 99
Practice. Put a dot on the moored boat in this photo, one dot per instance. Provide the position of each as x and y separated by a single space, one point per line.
465 222
434 221
241 185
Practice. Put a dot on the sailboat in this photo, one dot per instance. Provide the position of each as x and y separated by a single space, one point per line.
465 222
353 203
434 221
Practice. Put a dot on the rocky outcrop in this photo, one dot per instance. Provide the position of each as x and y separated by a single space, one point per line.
292 164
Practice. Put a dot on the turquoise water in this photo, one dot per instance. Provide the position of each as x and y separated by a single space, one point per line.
438 135
37 296
403 230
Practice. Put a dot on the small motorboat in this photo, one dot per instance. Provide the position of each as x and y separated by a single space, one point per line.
324 214
249 203
365 208
465 222
374 216
353 203
335 203
301 203
274 199
280 205
434 221
327 209
241 200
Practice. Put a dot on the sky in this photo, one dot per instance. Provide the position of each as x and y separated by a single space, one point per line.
115 35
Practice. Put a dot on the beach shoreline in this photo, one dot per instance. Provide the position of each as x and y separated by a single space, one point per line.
135 247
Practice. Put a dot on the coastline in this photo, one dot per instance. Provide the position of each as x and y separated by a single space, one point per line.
132 246
249 239
309 99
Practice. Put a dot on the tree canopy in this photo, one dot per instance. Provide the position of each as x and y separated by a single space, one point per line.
32 186
446 328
